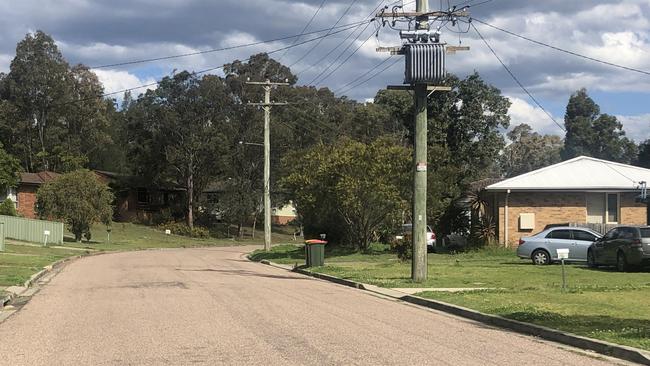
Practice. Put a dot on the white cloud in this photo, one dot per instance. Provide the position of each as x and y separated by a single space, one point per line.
120 80
523 112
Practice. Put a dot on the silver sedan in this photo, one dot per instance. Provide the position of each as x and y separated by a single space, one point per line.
542 248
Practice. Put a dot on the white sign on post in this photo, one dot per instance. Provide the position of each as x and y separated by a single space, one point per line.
47 234
563 254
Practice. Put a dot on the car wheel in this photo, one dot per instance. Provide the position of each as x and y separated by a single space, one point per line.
621 263
541 257
591 259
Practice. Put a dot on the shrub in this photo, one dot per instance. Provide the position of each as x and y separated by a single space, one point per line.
180 228
8 208
403 248
79 199
162 217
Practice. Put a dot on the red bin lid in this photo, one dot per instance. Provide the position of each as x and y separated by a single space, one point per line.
315 241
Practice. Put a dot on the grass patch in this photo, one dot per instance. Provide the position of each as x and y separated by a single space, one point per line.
19 262
601 304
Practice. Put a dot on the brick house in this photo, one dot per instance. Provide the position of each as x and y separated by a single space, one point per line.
24 195
580 191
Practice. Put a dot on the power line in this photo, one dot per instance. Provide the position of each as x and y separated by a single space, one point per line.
370 16
562 50
208 70
347 59
305 28
332 50
364 74
227 48
372 77
319 42
515 78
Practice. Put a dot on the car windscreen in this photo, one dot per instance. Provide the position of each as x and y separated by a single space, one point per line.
645 233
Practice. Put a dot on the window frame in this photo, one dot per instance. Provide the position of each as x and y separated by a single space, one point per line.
618 208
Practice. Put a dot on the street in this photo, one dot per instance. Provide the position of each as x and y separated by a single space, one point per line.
213 306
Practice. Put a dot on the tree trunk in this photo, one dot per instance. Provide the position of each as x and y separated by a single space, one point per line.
190 198
41 135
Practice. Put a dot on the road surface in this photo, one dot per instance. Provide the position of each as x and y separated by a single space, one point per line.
212 306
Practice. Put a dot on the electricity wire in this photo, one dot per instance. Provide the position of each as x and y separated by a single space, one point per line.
305 28
370 16
372 77
563 50
209 69
359 23
516 79
319 42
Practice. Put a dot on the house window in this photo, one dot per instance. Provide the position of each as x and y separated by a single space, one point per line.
612 208
603 208
143 196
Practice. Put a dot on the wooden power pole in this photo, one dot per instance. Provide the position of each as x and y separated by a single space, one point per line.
267 85
419 78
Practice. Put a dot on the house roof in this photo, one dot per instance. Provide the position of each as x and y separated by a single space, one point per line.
37 178
579 174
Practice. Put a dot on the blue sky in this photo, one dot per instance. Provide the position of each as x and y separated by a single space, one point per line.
618 31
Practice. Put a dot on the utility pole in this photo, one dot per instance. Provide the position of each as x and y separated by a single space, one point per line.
419 265
267 85
425 65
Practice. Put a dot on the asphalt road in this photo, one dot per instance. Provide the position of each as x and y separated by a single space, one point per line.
212 306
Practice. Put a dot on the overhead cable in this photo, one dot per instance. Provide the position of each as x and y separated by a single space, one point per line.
516 79
562 49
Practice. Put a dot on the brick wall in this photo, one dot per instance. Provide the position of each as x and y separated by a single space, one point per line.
548 207
557 208
26 201
633 213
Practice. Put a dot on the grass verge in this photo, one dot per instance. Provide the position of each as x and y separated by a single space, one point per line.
601 304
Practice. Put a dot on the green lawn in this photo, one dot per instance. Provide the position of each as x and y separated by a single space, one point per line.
602 304
21 260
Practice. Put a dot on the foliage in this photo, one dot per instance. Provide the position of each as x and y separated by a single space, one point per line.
643 159
403 248
176 133
8 208
594 134
350 190
9 168
40 122
529 151
79 199
182 229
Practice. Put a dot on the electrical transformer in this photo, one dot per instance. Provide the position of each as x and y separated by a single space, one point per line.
425 63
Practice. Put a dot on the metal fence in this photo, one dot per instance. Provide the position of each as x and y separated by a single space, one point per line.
2 237
32 230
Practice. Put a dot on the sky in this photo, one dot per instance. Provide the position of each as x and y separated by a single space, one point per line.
98 33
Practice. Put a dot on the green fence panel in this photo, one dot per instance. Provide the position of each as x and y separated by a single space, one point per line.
30 230
2 237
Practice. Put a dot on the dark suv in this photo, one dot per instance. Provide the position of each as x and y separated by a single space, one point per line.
624 246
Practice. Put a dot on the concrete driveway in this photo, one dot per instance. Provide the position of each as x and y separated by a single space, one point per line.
212 306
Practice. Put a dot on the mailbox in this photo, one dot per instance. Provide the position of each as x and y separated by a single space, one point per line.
562 253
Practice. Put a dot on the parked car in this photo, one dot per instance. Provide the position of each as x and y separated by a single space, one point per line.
624 246
542 248
407 230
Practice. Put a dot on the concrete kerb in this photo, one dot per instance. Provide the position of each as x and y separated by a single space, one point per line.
602 347
6 299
